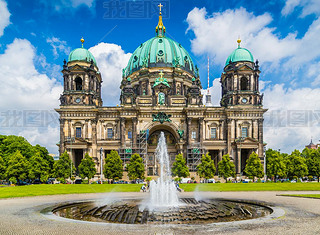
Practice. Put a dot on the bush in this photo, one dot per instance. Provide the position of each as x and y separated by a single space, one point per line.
218 182
310 178
259 181
13 180
62 180
84 182
177 179
94 182
228 181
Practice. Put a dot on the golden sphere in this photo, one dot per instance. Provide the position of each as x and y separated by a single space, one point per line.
82 40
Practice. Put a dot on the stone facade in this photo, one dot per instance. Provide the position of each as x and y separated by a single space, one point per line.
161 91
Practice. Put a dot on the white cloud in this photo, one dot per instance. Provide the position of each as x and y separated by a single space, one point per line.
68 5
217 34
111 59
308 7
58 46
4 16
293 117
28 97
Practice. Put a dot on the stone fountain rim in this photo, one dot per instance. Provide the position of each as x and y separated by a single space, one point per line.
276 212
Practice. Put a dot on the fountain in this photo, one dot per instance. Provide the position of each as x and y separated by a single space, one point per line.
163 192
163 204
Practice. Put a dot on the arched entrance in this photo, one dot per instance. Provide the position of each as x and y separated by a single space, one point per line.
172 146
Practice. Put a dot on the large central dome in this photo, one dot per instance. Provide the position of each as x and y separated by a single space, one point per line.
160 51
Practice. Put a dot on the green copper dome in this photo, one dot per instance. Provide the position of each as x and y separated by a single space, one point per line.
81 54
159 52
240 54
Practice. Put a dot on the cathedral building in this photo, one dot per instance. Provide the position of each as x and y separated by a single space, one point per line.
161 91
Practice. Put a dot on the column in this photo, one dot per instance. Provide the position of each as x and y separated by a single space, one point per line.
122 131
189 130
201 130
62 134
260 123
94 138
134 131
86 129
229 121
238 162
220 156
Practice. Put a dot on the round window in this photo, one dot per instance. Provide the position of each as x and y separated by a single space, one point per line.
160 53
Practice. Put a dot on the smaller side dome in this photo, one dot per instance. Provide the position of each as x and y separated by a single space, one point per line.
81 54
240 54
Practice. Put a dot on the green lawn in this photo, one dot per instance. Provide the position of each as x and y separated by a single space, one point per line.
45 189
52 189
302 195
222 187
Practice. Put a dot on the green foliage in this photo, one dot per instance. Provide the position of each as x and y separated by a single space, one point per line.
312 157
18 166
275 164
62 167
39 168
11 144
13 180
148 179
87 167
254 167
180 167
113 166
296 165
226 168
2 169
206 168
136 167
177 179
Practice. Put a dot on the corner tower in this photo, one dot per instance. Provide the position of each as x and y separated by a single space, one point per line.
82 79
240 79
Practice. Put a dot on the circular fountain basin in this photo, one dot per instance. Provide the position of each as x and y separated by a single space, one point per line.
190 211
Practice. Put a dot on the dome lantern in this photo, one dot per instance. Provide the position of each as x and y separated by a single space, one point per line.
81 54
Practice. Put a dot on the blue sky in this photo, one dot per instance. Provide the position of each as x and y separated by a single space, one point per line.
36 36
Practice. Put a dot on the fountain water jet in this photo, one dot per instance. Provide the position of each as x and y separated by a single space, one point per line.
163 192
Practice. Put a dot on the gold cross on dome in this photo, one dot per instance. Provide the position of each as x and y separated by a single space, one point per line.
160 5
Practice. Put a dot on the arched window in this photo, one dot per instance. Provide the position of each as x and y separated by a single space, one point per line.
78 81
244 84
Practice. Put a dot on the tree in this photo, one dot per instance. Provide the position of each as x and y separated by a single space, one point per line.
296 165
226 168
254 167
113 166
312 157
2 169
87 167
39 168
180 167
275 165
44 154
135 167
206 168
62 167
18 167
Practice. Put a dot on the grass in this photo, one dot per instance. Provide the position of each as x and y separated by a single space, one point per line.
53 189
302 195
45 189
222 187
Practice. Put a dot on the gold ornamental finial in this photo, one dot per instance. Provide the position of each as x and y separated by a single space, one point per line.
160 29
239 41
82 41
160 5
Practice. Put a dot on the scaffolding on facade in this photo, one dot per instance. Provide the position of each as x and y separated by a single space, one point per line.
141 148
194 154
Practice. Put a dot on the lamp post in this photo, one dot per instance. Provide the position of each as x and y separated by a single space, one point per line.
101 165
